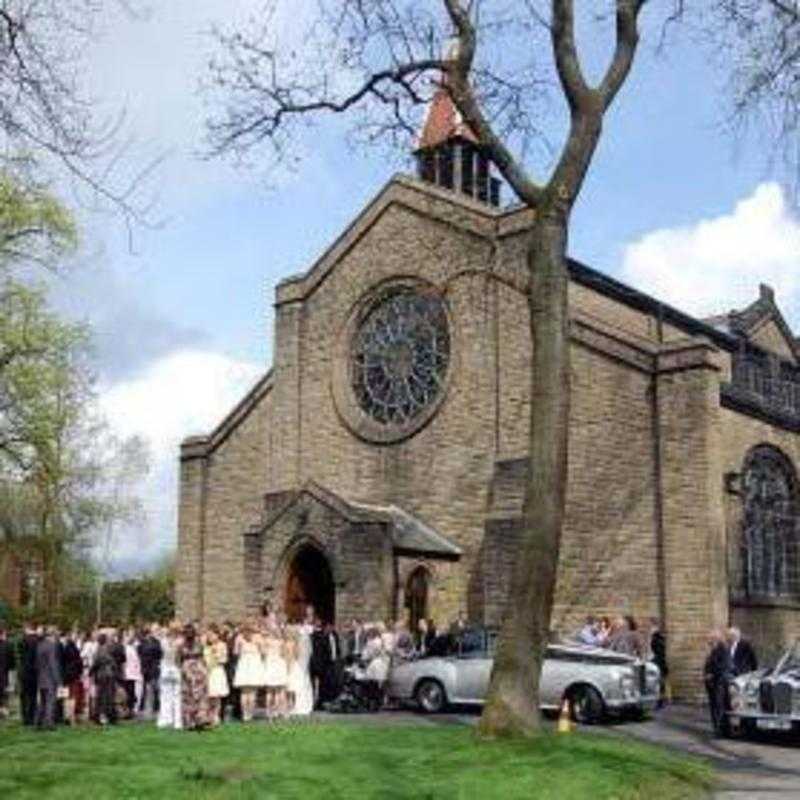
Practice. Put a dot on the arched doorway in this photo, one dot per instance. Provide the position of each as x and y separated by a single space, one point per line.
309 581
417 597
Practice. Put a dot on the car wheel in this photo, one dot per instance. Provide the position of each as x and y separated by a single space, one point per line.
430 696
586 704
639 714
748 728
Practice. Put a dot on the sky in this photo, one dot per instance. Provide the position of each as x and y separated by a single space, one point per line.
183 321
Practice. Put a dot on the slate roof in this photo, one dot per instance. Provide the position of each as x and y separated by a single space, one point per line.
411 533
408 532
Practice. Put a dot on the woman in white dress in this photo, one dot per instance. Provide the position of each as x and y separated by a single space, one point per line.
249 671
275 671
299 678
88 650
378 657
215 654
169 684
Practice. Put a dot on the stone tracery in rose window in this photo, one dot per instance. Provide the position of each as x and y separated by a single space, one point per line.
400 356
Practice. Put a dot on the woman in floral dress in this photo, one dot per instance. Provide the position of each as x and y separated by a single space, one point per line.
194 682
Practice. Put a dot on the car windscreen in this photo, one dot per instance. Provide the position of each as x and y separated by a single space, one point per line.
472 643
791 660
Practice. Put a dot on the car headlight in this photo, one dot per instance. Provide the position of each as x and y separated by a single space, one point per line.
751 689
743 695
736 696
627 685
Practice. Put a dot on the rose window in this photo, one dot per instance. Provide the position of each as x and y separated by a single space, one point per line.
400 355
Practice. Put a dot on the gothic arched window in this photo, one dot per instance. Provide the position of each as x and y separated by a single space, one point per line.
769 541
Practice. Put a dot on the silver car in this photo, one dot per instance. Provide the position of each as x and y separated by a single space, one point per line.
768 699
595 682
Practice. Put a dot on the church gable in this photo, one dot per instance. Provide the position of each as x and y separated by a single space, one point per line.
771 336
762 324
464 215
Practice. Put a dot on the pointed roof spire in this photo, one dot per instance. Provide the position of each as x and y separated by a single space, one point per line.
444 122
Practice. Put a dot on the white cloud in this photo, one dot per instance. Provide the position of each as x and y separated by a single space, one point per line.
185 393
716 264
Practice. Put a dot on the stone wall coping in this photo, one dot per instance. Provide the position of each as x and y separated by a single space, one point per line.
687 354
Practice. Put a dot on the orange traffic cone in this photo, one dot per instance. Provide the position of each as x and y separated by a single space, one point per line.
564 719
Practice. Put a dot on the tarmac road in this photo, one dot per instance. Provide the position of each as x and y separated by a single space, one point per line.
764 768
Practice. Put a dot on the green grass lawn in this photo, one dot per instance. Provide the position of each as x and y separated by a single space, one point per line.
332 760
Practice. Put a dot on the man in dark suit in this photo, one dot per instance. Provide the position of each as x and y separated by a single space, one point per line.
743 655
658 650
322 661
352 641
717 672
48 678
232 704
28 684
333 676
7 663
150 655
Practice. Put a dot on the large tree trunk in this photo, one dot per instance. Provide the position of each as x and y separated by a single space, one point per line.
512 704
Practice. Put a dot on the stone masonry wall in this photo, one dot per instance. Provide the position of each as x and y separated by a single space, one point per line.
189 568
236 485
690 447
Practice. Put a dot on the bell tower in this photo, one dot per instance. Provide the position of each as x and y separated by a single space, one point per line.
449 153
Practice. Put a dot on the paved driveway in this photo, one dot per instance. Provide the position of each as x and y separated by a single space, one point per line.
765 769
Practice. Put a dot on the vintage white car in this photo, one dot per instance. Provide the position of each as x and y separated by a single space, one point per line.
768 699
596 682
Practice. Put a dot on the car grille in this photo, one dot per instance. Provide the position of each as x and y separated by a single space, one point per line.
782 695
766 697
641 677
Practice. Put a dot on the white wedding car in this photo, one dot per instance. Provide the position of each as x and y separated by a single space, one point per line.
768 699
596 682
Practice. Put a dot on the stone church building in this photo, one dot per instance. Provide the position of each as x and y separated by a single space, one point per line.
378 468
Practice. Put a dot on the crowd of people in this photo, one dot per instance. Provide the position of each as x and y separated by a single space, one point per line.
193 676
623 634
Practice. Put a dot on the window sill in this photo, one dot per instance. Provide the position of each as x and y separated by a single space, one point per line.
766 602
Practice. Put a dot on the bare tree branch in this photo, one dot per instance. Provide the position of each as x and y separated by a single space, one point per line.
566 56
627 39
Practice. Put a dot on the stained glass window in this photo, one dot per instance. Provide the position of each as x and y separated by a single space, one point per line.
769 543
400 356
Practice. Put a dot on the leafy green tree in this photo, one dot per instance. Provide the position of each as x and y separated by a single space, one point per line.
125 463
34 226
147 598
